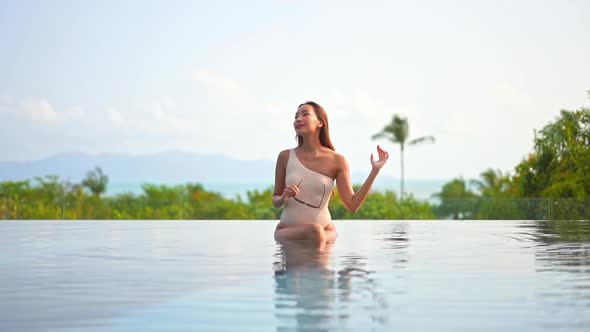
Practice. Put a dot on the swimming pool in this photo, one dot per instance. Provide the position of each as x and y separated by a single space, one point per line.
231 275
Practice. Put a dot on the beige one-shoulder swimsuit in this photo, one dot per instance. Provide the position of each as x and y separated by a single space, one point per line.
315 189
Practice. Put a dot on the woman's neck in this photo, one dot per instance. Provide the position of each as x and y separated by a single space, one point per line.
311 145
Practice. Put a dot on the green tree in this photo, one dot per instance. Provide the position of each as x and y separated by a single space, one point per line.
397 132
493 183
382 206
12 196
47 198
559 166
457 201
96 181
258 204
496 202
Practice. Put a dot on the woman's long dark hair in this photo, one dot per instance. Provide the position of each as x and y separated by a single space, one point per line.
320 113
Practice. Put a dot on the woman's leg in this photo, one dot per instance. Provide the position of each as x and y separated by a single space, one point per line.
312 232
302 254
331 233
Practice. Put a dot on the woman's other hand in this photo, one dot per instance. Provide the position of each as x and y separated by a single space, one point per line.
383 156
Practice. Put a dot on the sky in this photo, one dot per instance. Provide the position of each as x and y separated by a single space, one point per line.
225 77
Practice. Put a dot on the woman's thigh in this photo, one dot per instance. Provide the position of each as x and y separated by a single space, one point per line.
306 232
297 232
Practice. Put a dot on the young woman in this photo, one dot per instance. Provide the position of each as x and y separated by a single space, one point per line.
304 178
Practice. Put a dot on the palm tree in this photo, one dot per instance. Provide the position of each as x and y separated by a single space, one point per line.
493 183
96 181
397 132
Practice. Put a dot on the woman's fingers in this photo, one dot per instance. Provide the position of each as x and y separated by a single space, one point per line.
382 153
291 191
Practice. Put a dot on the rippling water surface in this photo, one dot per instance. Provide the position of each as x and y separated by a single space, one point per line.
232 275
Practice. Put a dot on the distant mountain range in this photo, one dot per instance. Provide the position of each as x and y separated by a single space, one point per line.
171 166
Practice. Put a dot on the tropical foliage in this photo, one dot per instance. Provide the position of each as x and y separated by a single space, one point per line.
96 181
559 165
49 198
552 182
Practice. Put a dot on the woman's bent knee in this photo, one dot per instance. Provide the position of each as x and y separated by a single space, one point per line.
317 232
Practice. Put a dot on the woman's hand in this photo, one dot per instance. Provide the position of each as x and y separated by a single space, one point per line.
290 191
383 156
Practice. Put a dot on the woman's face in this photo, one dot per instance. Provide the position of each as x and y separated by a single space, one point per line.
306 120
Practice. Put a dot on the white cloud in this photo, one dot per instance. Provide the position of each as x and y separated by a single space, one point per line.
219 84
115 117
74 112
156 118
167 120
40 110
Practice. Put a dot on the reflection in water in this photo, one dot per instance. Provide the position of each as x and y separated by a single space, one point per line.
562 253
305 286
310 295
563 246
395 241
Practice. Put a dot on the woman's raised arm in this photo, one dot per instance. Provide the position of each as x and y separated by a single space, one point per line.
351 200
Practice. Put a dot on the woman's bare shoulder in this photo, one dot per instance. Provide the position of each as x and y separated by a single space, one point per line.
333 154
284 153
283 156
337 158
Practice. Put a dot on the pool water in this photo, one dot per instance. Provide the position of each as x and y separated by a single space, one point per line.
232 275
